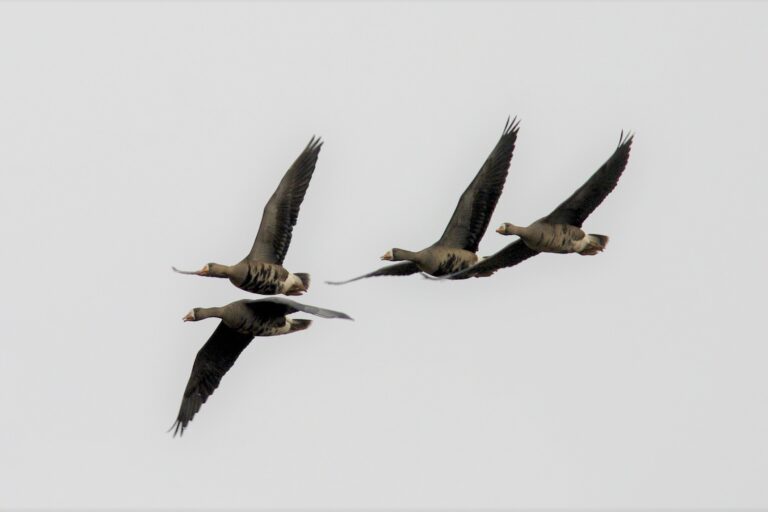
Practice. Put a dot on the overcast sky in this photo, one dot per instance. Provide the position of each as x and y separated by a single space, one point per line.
138 136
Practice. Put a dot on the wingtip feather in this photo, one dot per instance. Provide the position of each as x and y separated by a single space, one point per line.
315 143
626 139
178 428
511 126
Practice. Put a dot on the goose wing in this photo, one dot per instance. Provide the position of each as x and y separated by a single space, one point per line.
211 363
509 256
582 203
278 306
473 212
403 268
282 210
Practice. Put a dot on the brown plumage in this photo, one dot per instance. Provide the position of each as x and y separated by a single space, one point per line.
560 231
456 248
241 321
262 271
541 236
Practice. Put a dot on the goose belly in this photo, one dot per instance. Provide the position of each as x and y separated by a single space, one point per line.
454 262
557 238
258 326
263 278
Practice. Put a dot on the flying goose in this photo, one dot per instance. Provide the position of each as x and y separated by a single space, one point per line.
241 321
262 271
457 246
560 231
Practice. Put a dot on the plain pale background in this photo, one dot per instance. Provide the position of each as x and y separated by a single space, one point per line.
138 136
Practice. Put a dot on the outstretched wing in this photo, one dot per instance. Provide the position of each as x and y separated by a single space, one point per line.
211 363
509 256
471 216
278 306
282 209
582 203
403 268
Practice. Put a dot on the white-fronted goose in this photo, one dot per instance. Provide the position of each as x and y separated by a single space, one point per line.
262 270
457 246
241 321
560 231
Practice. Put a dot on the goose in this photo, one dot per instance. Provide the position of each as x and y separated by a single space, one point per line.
560 231
457 247
241 321
262 271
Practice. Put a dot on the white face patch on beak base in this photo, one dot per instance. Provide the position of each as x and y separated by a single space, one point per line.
189 317
387 256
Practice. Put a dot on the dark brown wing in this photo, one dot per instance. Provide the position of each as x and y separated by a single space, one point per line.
278 306
509 256
473 213
403 268
582 203
282 209
213 360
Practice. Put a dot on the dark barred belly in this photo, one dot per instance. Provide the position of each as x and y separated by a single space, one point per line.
264 279
556 238
261 326
452 263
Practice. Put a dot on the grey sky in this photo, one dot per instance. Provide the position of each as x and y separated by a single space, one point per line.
140 136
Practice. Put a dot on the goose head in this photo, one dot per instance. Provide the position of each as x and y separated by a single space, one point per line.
210 270
508 229
396 254
192 316
202 313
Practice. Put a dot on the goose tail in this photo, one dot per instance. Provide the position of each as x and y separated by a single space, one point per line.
299 324
304 279
595 244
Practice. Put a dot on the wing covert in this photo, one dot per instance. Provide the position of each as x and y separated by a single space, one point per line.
213 360
511 255
282 210
403 268
473 212
582 203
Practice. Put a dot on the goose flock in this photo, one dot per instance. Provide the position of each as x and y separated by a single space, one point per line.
452 257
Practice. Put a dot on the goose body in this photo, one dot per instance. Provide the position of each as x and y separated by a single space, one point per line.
261 277
262 271
240 322
542 236
435 260
456 250
560 231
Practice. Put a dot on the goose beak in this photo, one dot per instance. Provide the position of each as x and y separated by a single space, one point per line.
202 272
387 256
500 230
189 317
